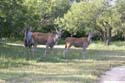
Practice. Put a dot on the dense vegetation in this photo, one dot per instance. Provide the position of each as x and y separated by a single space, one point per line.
106 18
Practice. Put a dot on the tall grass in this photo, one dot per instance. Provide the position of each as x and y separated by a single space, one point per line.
18 65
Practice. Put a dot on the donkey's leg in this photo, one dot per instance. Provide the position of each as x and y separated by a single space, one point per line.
64 52
51 50
46 50
67 46
34 49
84 53
29 53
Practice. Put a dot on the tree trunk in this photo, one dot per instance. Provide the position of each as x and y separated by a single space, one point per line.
104 37
109 36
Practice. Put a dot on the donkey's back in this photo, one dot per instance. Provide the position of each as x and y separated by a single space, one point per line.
41 38
77 42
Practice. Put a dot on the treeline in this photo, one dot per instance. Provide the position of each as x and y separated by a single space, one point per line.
105 18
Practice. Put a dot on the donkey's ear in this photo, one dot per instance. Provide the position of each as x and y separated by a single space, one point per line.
62 31
90 32
56 29
52 31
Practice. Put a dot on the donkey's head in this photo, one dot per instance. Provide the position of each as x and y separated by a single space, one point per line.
58 35
27 37
90 35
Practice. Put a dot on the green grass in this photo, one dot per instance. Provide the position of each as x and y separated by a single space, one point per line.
18 65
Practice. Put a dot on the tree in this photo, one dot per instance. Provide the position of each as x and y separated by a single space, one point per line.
108 22
51 9
121 6
10 17
33 13
80 17
16 14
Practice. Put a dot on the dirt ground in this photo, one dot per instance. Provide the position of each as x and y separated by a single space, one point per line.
115 75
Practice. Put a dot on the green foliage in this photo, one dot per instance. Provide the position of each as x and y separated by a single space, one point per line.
10 17
80 17
51 9
15 15
121 6
108 21
46 15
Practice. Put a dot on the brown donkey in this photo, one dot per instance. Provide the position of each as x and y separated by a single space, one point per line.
82 42
35 38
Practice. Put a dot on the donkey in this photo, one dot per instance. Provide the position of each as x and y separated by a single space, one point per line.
48 39
28 41
82 42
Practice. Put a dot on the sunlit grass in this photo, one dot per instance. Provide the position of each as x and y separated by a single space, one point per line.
19 66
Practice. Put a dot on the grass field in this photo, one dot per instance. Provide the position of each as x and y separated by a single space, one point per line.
17 65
